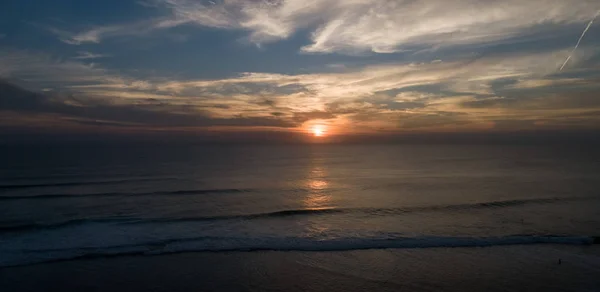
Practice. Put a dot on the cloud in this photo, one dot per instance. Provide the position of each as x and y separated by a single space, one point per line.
89 36
580 100
388 26
302 117
550 82
97 34
381 26
94 112
433 120
514 124
46 71
88 55
465 94
459 75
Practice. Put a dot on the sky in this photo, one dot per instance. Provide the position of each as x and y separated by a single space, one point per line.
352 67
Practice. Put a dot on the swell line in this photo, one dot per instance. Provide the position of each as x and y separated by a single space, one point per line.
368 211
117 194
81 183
11 227
232 244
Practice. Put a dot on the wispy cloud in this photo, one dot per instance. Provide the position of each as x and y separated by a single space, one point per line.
381 26
501 67
97 34
466 93
89 36
388 26
88 55
96 112
44 70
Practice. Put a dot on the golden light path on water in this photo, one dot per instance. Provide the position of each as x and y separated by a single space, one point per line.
317 197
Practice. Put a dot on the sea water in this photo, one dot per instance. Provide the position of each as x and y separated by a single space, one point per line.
81 201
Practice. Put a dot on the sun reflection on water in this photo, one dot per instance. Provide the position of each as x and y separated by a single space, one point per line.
317 186
318 197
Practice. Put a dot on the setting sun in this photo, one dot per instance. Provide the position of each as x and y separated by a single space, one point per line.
318 131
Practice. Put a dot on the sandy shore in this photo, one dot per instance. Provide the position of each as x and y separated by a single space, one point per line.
502 268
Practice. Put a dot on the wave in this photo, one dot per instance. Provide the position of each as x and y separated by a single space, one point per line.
499 204
79 183
117 194
29 226
233 244
32 226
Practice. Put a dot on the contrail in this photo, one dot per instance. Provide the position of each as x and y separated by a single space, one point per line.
579 41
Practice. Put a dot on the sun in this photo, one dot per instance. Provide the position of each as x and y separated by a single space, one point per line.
318 131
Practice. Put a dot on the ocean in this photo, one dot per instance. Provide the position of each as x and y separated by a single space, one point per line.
72 203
